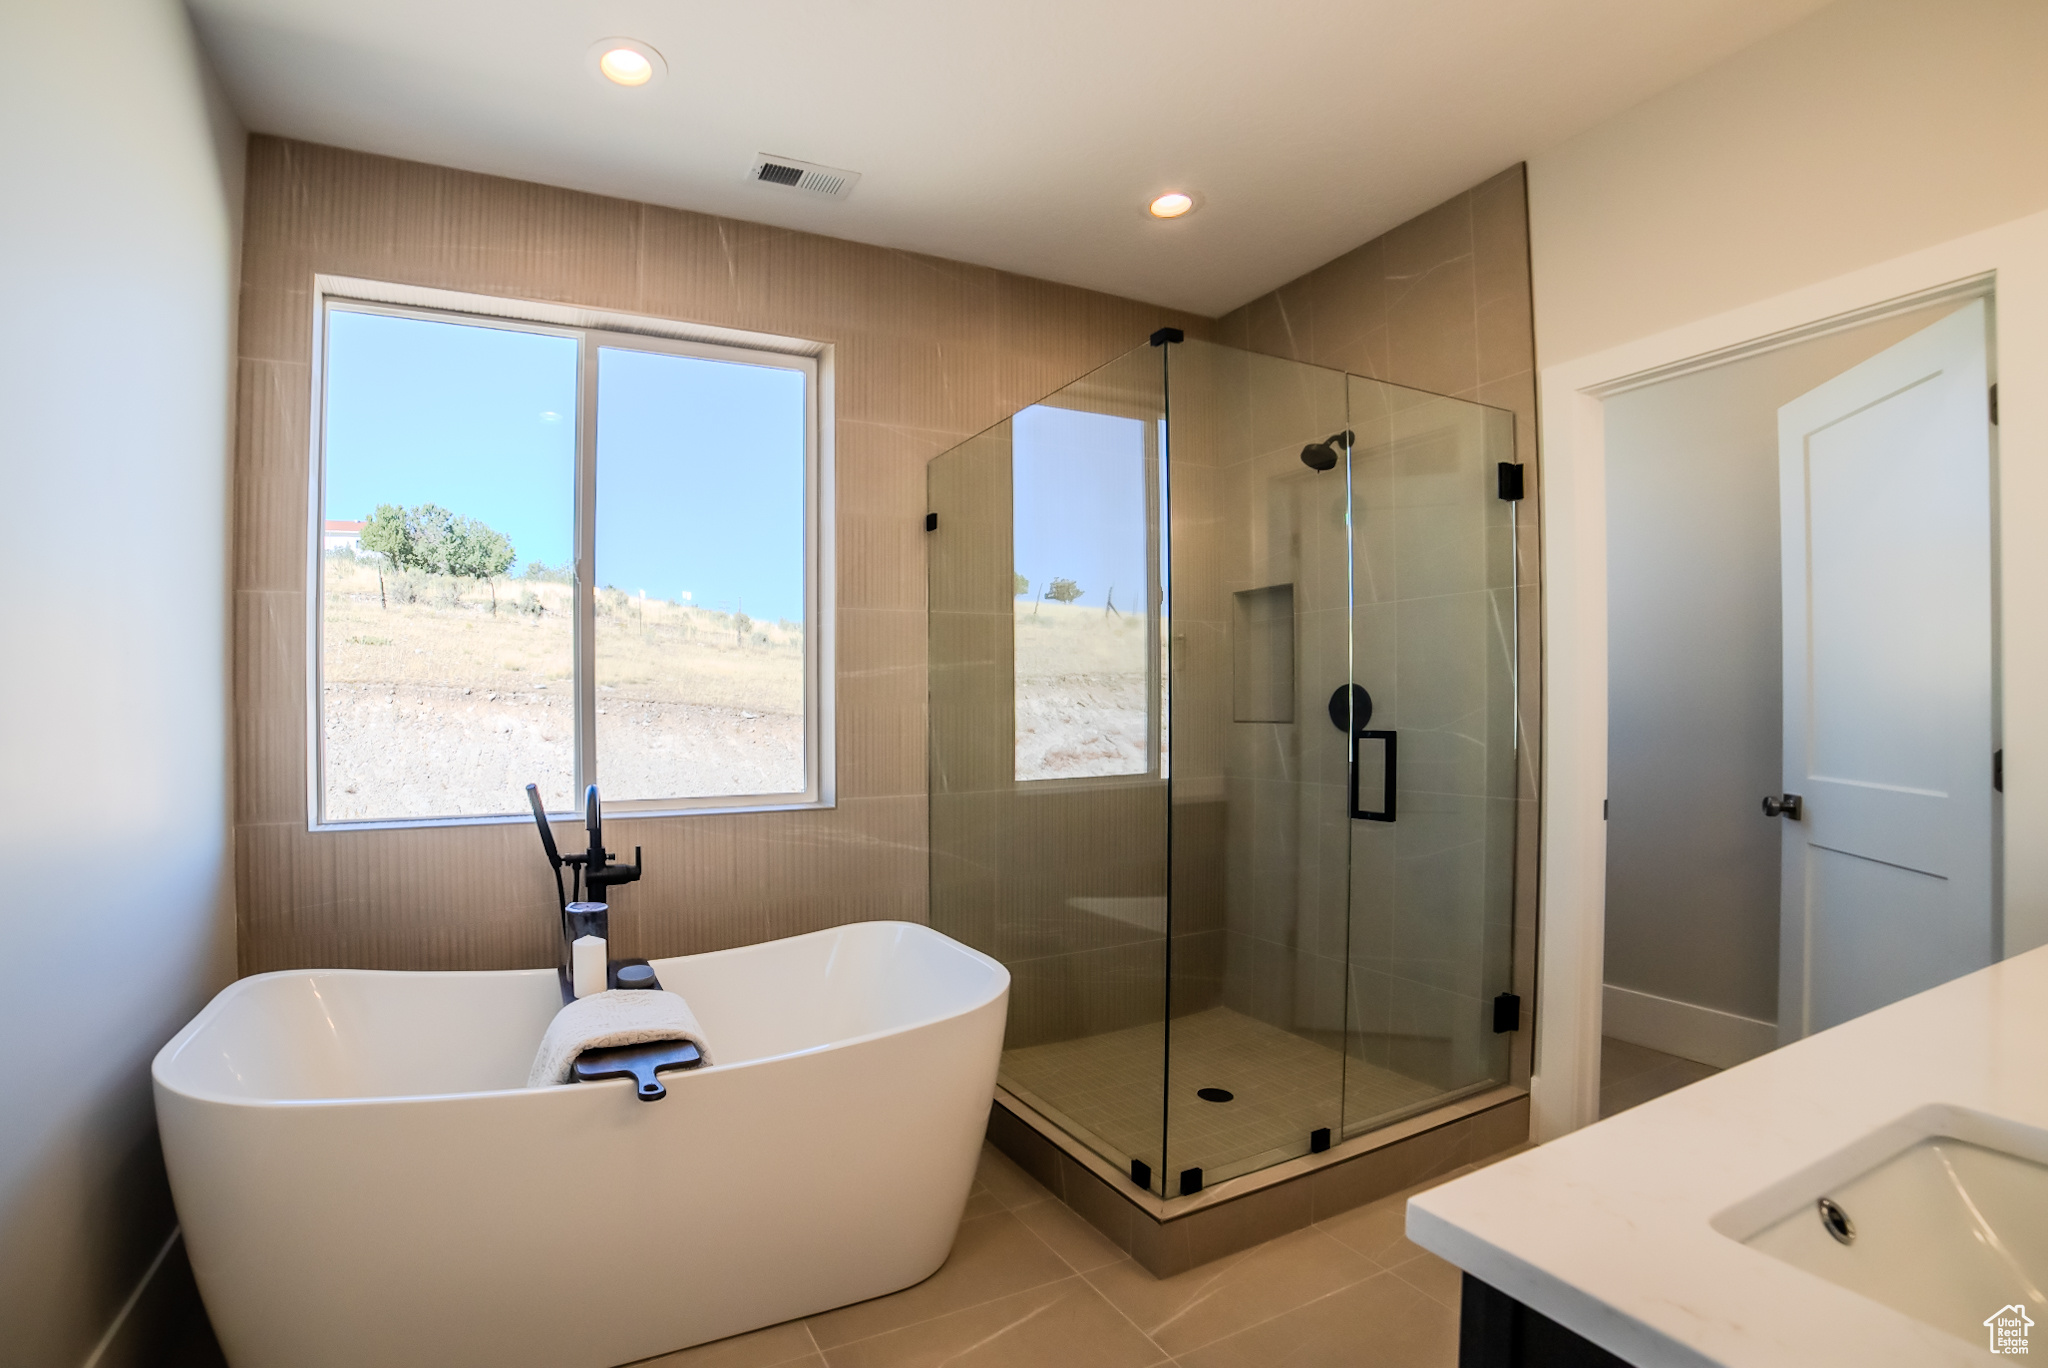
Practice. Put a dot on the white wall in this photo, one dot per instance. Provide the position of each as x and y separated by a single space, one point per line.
1695 677
1872 128
119 204
1873 151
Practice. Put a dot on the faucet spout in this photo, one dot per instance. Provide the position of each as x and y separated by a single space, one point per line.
600 871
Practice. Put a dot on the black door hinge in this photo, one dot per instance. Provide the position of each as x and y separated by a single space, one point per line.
1511 481
1190 1181
1141 1174
1507 1013
931 522
1166 335
1998 769
1994 406
1603 809
1319 1140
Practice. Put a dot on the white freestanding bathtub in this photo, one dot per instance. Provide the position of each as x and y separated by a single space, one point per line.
363 1178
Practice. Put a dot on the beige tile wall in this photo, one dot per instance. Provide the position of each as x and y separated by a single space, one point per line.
928 352
1442 303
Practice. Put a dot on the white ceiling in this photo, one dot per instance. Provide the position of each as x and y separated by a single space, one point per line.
1027 137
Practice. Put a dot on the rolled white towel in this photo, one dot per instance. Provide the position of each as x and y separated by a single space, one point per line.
618 1016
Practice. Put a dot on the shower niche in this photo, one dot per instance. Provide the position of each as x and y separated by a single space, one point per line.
1223 660
1262 654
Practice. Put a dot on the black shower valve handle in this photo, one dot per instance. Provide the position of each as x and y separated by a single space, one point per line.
1351 709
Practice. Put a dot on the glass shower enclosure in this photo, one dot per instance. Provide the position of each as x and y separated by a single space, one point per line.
1223 726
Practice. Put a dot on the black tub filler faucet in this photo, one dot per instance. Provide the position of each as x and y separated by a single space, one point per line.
593 874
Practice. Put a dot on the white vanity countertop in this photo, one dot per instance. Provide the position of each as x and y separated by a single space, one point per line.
1607 1230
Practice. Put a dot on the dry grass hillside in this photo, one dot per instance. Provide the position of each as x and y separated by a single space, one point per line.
435 703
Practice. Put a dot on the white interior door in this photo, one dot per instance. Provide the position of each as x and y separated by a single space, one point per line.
1890 722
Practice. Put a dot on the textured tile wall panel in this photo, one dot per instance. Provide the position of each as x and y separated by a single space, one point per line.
928 352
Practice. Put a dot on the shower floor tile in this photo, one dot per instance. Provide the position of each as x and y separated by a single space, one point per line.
1106 1090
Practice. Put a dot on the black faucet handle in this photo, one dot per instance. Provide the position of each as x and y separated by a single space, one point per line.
617 872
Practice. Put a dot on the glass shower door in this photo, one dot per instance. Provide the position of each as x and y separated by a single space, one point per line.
1433 647
1261 622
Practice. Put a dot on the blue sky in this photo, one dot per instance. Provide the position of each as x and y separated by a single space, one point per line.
700 481
481 421
700 463
1079 491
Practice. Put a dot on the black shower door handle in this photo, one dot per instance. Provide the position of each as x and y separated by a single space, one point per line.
1386 812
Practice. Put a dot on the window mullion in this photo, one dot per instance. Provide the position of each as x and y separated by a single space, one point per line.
586 567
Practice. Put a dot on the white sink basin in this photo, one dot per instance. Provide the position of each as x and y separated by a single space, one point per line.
1948 1214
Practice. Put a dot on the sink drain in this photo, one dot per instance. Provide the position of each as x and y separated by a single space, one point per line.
1215 1094
1836 1220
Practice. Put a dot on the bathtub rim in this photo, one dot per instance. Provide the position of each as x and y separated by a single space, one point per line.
998 988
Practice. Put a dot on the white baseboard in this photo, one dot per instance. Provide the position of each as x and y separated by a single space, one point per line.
1685 1029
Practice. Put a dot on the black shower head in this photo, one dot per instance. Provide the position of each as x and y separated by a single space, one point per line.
1323 455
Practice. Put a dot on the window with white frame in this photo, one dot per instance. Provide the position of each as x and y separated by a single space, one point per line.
561 555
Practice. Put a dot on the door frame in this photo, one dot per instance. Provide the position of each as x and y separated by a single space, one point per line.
2010 260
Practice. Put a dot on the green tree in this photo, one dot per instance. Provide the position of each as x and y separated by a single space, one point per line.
1023 585
387 534
1063 590
430 540
471 549
407 538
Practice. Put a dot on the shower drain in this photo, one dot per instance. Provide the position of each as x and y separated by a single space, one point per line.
1215 1094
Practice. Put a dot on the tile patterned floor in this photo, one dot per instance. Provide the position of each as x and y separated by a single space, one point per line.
1030 1283
1633 1074
1107 1086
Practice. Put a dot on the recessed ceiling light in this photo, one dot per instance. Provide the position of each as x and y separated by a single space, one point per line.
627 62
626 67
1172 205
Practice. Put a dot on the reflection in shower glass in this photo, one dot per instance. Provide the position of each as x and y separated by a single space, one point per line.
1079 505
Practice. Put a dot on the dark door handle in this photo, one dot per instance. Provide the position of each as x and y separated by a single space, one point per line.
1386 812
1787 806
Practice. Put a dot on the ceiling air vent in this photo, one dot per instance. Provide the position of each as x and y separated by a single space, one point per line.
829 181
